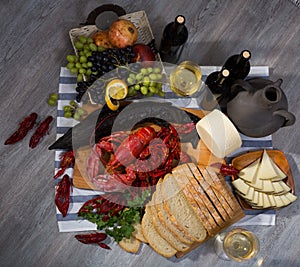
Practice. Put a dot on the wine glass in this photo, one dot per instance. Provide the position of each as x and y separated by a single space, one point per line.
238 245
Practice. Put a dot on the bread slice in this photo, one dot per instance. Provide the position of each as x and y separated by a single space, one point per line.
130 244
138 234
195 200
164 231
210 208
215 197
223 187
213 204
176 204
154 239
164 217
218 190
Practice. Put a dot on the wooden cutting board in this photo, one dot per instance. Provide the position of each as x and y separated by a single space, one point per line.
200 154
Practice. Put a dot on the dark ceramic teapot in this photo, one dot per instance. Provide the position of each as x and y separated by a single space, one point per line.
258 107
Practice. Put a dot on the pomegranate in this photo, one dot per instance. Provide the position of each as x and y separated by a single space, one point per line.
122 33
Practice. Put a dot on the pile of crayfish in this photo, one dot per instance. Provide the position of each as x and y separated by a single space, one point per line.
138 159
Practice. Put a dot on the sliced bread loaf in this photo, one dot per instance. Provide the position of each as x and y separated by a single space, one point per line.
225 190
219 192
154 239
176 204
214 197
213 204
165 218
164 231
181 176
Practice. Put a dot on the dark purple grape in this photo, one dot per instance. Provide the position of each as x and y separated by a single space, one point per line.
78 97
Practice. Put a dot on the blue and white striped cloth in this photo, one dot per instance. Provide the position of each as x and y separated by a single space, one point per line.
72 223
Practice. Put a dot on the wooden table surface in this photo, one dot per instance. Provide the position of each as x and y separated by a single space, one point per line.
34 44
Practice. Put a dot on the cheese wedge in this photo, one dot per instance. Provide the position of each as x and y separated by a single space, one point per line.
241 186
255 198
257 183
260 202
280 187
291 197
279 202
272 201
248 173
266 201
266 169
280 174
267 186
250 194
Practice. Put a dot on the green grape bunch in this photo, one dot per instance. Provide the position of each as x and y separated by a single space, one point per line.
148 82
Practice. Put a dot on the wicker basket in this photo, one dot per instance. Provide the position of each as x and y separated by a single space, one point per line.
139 19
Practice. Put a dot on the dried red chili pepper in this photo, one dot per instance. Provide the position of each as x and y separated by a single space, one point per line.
103 245
62 196
67 159
91 204
24 127
227 169
93 238
40 132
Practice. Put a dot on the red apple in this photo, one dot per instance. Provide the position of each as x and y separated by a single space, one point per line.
144 54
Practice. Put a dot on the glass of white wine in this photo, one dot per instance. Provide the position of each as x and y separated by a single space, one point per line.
185 79
238 245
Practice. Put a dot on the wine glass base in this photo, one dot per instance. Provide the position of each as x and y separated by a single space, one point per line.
218 245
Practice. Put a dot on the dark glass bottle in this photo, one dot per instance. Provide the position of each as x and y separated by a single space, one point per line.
174 37
219 90
238 65
218 82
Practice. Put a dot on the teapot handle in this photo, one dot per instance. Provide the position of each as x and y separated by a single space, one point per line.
240 85
289 117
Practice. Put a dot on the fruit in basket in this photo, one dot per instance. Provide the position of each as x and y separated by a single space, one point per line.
122 33
143 54
101 39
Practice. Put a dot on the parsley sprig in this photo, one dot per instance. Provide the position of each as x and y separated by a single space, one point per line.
120 225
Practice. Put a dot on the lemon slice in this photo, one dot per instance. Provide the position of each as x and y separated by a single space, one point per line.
115 90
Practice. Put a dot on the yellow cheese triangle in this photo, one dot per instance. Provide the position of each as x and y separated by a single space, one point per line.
267 186
266 169
241 186
248 173
280 174
278 188
266 201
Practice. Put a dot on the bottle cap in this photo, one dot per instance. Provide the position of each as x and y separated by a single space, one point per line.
225 72
246 54
180 19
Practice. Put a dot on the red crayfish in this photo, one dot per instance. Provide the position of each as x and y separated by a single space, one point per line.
40 132
24 127
138 159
